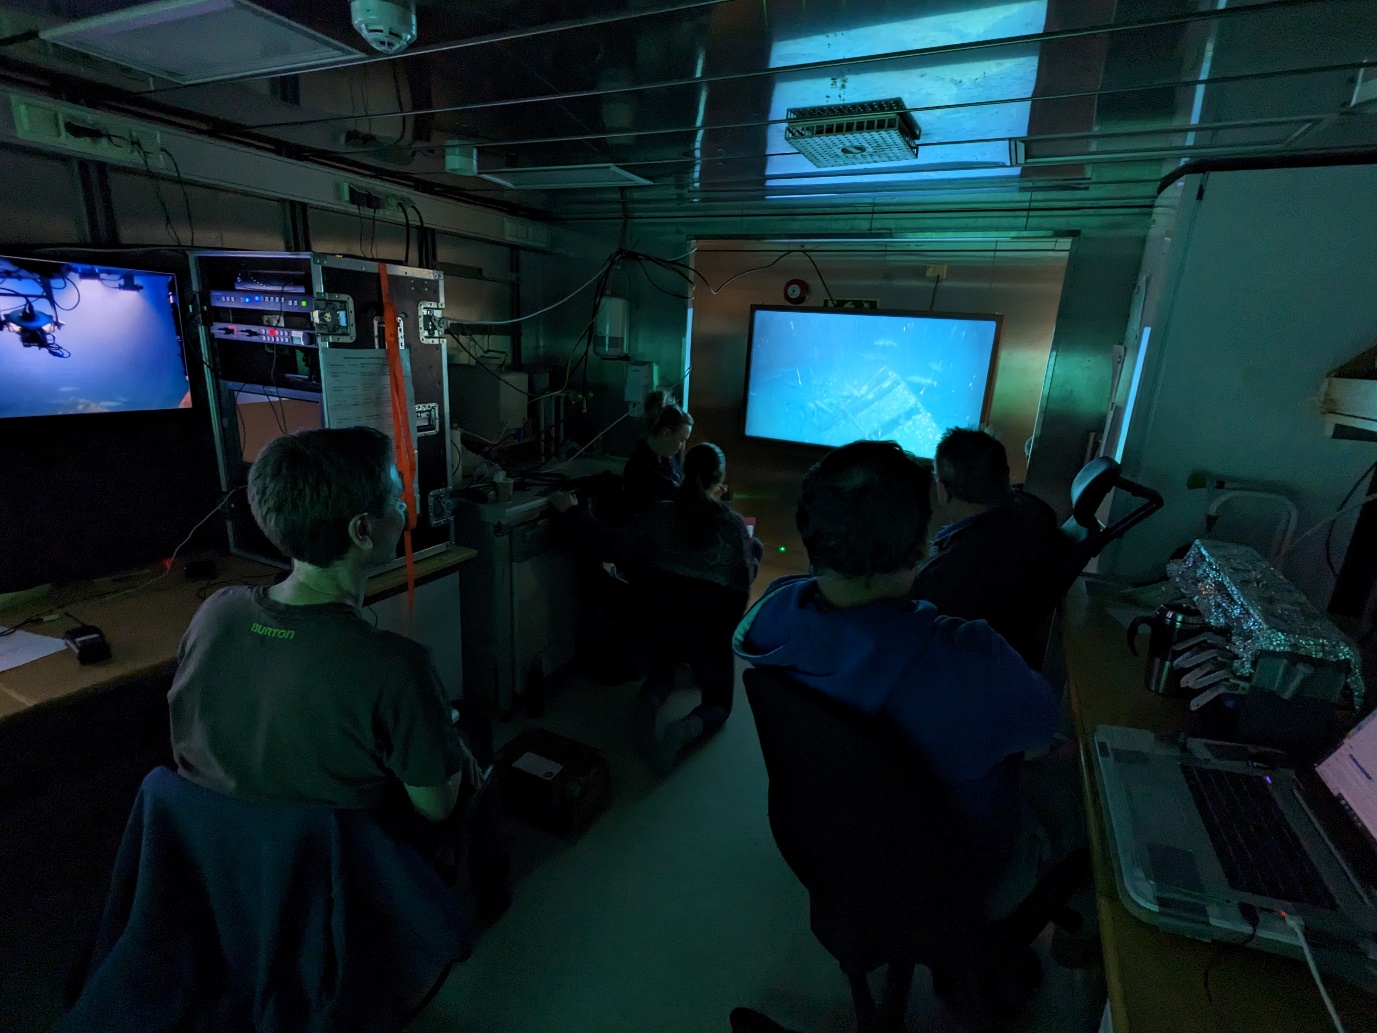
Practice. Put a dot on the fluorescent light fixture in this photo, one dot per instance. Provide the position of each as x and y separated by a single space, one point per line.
921 82
565 177
198 41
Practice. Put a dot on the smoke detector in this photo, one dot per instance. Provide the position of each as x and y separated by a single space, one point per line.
868 133
389 26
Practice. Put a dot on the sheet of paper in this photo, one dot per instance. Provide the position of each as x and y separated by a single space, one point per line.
357 391
22 647
535 764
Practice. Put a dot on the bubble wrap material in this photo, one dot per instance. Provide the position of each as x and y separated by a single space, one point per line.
1235 588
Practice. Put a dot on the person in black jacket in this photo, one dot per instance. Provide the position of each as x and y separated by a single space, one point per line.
998 555
655 470
691 563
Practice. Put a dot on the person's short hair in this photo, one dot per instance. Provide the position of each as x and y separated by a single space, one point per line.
663 413
973 466
865 509
305 488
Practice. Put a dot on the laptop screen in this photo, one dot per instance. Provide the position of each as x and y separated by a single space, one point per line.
1350 772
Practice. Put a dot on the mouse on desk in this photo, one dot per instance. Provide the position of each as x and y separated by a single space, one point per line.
87 644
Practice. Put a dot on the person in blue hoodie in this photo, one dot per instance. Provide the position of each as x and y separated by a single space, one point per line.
960 694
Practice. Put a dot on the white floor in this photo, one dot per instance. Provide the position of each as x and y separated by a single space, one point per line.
674 908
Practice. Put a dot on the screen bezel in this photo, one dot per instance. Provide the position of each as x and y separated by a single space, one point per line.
985 404
178 328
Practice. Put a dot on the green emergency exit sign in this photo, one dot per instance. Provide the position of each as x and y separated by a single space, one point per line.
850 303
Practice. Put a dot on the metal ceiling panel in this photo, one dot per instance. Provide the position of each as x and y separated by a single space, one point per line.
1022 104
198 41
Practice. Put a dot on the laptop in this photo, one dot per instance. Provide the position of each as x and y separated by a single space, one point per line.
1217 840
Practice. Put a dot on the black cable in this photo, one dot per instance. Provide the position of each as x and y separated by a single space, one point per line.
420 234
76 286
651 280
1329 534
35 619
186 200
397 85
359 208
279 414
932 302
158 192
373 234
406 218
754 269
821 278
73 617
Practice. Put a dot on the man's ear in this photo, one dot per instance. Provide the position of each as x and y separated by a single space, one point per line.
943 496
361 531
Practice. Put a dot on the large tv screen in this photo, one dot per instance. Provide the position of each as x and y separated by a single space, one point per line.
828 377
79 338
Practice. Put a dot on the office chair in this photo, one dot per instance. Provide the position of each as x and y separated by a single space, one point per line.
865 831
228 915
1089 537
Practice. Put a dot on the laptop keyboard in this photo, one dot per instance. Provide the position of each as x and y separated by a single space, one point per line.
1257 848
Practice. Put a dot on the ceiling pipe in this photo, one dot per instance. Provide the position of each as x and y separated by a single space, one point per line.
898 55
1256 163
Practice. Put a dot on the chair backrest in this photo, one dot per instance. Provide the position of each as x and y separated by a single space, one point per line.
853 816
277 915
1087 535
687 608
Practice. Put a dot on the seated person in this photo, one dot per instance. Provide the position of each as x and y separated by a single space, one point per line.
287 693
955 690
999 554
655 470
692 562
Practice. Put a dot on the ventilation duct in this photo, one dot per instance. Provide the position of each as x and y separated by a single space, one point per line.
871 132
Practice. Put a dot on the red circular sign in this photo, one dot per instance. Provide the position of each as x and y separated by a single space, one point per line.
796 292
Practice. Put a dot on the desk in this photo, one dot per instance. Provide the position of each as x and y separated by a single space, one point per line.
1155 979
145 627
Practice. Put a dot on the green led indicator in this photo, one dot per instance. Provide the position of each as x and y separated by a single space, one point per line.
781 548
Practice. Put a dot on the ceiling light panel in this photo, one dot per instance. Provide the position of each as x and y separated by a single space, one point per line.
197 41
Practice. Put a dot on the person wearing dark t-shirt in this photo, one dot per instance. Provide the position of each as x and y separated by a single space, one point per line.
655 470
286 693
999 555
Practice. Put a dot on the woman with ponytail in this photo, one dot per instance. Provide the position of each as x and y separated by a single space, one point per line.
655 471
691 561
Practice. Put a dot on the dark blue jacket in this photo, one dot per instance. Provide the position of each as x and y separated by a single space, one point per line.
955 690
226 914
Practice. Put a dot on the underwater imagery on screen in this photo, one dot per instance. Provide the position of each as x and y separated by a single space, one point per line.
827 378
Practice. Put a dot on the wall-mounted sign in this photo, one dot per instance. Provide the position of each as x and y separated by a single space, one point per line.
850 303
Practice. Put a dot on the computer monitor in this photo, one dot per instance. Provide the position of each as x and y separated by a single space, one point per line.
830 376
79 338
1350 773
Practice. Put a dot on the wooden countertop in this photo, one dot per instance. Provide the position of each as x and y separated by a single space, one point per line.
144 626
1156 979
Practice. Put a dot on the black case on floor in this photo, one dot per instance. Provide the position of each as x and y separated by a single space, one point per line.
553 782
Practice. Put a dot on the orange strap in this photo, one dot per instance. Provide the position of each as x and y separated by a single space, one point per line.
401 429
